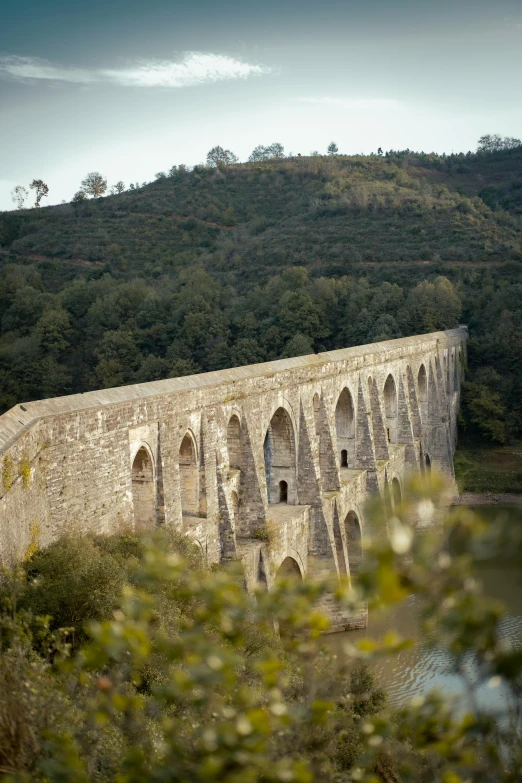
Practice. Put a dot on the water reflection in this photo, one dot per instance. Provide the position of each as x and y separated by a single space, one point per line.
421 668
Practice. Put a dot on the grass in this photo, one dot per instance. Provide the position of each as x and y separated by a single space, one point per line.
489 468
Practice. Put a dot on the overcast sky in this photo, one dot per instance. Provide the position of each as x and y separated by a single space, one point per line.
131 87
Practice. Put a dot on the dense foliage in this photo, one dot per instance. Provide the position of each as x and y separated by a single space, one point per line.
127 659
237 264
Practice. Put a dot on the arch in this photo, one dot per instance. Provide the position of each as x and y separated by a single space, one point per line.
345 429
280 462
352 529
396 491
289 569
455 372
316 402
422 386
188 475
235 504
234 441
143 490
283 491
390 407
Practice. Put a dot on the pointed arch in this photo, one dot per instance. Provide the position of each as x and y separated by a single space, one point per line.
289 569
396 491
280 457
422 389
345 429
352 529
390 407
234 441
143 490
188 475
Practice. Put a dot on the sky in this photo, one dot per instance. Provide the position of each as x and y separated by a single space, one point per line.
132 87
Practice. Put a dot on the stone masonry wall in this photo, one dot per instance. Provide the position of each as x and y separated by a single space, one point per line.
70 463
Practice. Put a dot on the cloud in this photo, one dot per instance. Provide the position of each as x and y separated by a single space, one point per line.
354 103
193 68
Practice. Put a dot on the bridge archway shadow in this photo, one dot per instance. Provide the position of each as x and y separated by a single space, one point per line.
390 407
352 529
289 569
143 490
188 476
396 492
422 386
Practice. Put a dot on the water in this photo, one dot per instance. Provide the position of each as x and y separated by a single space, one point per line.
422 668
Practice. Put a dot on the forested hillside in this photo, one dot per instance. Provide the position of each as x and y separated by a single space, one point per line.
231 265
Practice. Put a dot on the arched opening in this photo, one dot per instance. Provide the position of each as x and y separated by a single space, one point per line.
317 414
427 459
396 491
280 458
289 569
235 505
352 529
188 476
422 386
261 573
143 491
455 373
283 492
234 442
390 407
344 458
345 429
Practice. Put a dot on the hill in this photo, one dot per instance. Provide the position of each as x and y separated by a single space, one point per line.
218 267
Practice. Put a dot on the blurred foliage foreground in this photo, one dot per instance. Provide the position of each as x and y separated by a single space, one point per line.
128 659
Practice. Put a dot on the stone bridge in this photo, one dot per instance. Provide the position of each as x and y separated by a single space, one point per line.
271 463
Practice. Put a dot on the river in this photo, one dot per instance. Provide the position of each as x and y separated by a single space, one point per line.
421 668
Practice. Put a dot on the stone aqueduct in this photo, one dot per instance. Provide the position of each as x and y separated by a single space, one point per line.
270 463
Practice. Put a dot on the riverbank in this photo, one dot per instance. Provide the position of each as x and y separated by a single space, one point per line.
489 499
490 471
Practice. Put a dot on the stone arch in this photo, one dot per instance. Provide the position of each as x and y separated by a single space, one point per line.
188 475
390 408
143 489
353 532
316 403
345 429
289 569
396 491
422 386
280 457
234 441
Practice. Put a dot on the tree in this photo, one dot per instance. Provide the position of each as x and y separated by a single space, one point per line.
94 184
160 175
333 149
18 196
495 143
219 157
379 151
275 150
41 189
79 196
119 187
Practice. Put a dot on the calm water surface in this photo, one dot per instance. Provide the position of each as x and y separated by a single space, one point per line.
421 668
